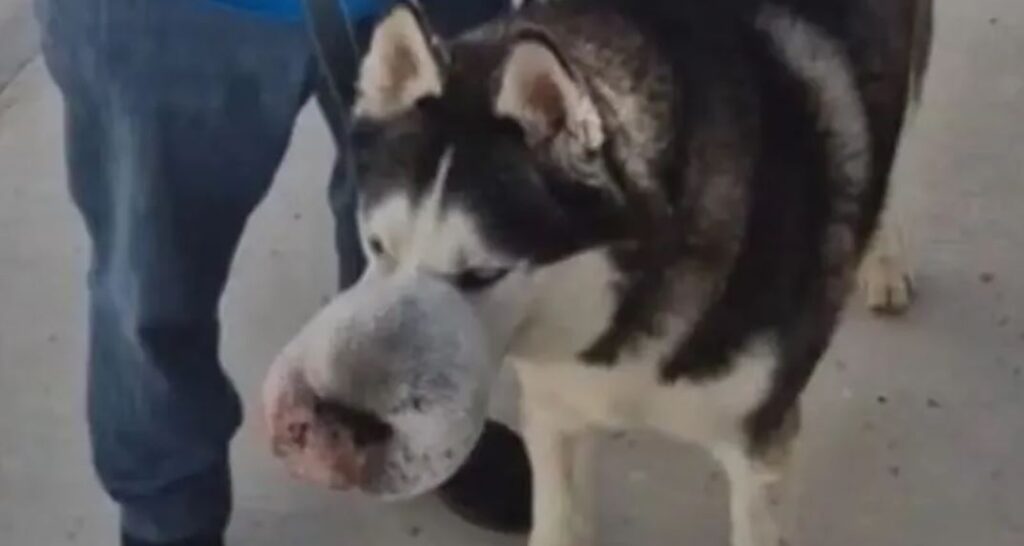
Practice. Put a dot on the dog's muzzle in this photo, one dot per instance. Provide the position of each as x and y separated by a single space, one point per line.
385 390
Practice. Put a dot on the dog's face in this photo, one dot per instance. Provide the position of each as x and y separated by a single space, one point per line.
481 165
485 202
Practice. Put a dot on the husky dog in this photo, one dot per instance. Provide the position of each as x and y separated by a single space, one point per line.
653 209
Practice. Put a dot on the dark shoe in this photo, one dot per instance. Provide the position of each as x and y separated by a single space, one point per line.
493 488
198 541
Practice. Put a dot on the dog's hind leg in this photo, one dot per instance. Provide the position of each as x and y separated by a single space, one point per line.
885 277
757 479
755 491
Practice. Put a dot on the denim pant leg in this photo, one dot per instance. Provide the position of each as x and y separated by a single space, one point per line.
177 116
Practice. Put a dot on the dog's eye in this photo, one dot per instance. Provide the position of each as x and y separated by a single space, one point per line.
376 246
477 279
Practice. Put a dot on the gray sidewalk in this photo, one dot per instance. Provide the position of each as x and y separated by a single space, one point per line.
915 432
19 38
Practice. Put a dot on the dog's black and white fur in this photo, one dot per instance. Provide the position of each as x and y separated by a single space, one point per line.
656 209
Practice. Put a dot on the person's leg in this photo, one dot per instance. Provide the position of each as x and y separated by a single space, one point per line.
177 116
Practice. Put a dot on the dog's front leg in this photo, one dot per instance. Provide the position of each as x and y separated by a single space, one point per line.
560 456
755 496
885 276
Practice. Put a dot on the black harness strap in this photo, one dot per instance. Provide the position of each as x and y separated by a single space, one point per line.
338 54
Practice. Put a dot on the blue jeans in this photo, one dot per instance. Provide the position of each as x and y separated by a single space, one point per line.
178 113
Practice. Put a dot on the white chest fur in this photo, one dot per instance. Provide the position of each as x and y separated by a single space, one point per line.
563 401
631 395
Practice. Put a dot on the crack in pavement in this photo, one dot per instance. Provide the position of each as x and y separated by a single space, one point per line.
19 42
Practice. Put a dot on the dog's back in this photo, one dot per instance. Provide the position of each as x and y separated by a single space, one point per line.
760 133
886 44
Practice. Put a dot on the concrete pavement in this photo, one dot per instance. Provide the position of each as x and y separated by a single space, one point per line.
915 432
19 38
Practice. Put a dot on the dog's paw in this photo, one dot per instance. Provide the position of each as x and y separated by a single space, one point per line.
886 282
885 276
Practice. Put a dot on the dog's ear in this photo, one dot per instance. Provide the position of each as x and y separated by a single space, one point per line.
401 67
538 89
